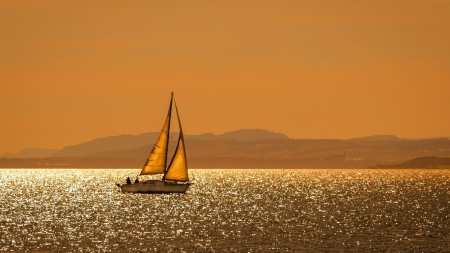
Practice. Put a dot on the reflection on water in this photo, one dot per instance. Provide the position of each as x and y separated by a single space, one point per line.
228 210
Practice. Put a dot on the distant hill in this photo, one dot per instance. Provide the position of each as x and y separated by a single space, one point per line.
116 144
240 135
30 153
250 135
121 142
419 162
381 151
246 148
377 138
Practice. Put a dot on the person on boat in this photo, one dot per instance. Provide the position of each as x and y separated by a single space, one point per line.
136 181
128 180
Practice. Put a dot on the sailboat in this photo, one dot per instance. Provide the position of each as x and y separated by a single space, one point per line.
175 178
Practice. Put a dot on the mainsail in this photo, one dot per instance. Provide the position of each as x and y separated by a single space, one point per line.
178 170
156 161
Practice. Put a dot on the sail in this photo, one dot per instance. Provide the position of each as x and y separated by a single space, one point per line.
178 170
156 161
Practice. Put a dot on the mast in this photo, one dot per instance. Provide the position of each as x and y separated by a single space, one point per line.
168 131
177 169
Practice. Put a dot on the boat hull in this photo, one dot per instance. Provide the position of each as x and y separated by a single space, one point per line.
155 187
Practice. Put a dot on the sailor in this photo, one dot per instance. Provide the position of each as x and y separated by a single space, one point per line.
136 181
128 180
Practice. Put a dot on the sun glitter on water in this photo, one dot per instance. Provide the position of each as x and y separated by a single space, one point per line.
227 210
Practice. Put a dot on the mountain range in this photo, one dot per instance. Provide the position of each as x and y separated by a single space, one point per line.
246 148
128 143
31 152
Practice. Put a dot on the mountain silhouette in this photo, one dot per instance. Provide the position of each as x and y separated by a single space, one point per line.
252 147
115 144
419 162
121 142
250 135
31 152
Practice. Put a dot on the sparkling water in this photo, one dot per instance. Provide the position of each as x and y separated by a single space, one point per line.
80 210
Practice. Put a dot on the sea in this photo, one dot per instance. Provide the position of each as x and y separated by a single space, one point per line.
227 210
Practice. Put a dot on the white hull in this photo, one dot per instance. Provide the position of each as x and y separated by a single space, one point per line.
155 186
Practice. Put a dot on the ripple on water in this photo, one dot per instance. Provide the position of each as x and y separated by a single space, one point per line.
227 210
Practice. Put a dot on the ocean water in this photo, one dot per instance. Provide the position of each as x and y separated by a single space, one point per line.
79 210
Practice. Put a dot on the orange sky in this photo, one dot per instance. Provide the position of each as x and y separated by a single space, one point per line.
71 71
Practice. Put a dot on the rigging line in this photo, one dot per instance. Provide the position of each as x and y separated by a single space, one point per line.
168 134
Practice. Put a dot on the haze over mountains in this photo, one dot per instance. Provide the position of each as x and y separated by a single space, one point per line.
247 148
31 152
115 144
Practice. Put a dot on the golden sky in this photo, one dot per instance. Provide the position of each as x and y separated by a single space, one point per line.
72 71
